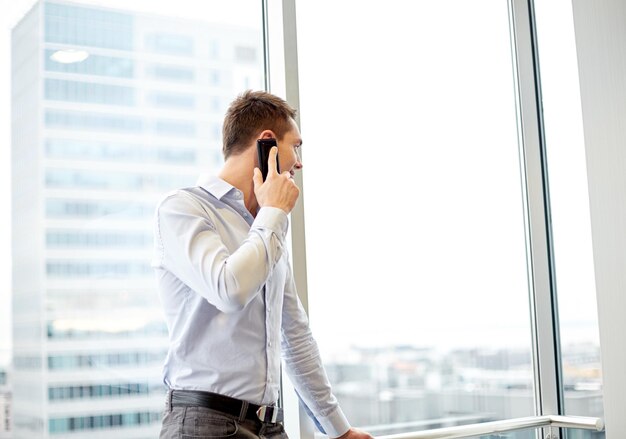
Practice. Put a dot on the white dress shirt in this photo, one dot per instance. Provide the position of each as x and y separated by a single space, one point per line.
230 302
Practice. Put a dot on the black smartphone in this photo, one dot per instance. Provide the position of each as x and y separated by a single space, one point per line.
263 147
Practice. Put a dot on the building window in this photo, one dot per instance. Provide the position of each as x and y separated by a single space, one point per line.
98 238
175 128
107 390
171 73
88 26
172 100
27 362
245 54
121 210
88 93
114 181
170 44
97 65
67 329
117 420
97 269
76 120
90 361
89 149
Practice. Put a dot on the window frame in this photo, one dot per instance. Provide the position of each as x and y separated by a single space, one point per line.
281 73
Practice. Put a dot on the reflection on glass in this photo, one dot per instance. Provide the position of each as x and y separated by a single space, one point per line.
417 282
580 342
93 153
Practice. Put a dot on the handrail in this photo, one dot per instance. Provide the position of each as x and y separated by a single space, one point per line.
484 428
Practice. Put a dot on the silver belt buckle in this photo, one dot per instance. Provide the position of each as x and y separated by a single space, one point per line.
267 411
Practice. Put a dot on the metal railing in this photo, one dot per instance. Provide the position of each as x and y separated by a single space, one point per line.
485 428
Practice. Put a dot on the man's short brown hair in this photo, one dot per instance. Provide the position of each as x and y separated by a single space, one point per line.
249 114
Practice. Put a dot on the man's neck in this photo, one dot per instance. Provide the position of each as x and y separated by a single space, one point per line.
238 172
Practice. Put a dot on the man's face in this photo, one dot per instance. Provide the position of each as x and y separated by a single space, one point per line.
289 149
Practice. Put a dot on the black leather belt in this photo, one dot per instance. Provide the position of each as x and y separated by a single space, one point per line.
232 406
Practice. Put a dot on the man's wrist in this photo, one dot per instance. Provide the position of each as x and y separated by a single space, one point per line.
273 218
335 424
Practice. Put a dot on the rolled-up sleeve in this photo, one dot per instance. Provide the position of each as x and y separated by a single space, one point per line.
189 246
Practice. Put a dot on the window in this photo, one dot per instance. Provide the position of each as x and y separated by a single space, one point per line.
415 242
177 128
66 208
214 77
114 181
123 420
171 73
89 149
245 54
169 43
73 120
99 238
90 361
97 269
89 93
88 26
96 65
87 329
172 100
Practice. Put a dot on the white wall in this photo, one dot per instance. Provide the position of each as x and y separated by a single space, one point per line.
600 27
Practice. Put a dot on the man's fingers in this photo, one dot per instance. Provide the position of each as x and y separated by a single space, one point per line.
257 178
271 161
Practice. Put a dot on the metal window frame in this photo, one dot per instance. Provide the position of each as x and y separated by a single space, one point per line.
281 76
550 423
537 215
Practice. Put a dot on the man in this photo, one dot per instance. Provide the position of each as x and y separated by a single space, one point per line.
228 292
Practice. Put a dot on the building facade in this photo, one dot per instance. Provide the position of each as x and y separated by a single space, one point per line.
6 421
95 144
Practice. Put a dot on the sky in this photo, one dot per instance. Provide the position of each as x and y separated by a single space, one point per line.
411 175
410 149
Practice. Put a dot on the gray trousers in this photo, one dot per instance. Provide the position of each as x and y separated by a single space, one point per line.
201 422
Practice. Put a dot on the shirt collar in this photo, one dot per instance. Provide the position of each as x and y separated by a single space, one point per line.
215 186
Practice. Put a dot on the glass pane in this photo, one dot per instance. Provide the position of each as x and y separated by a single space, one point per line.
580 343
537 433
112 107
417 286
583 434
522 434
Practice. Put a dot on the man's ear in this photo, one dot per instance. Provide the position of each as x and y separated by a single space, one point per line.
267 134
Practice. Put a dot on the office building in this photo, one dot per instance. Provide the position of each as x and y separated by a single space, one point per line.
6 421
96 142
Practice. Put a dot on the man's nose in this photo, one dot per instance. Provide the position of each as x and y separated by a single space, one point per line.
298 164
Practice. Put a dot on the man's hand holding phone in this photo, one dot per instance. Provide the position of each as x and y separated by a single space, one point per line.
278 190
